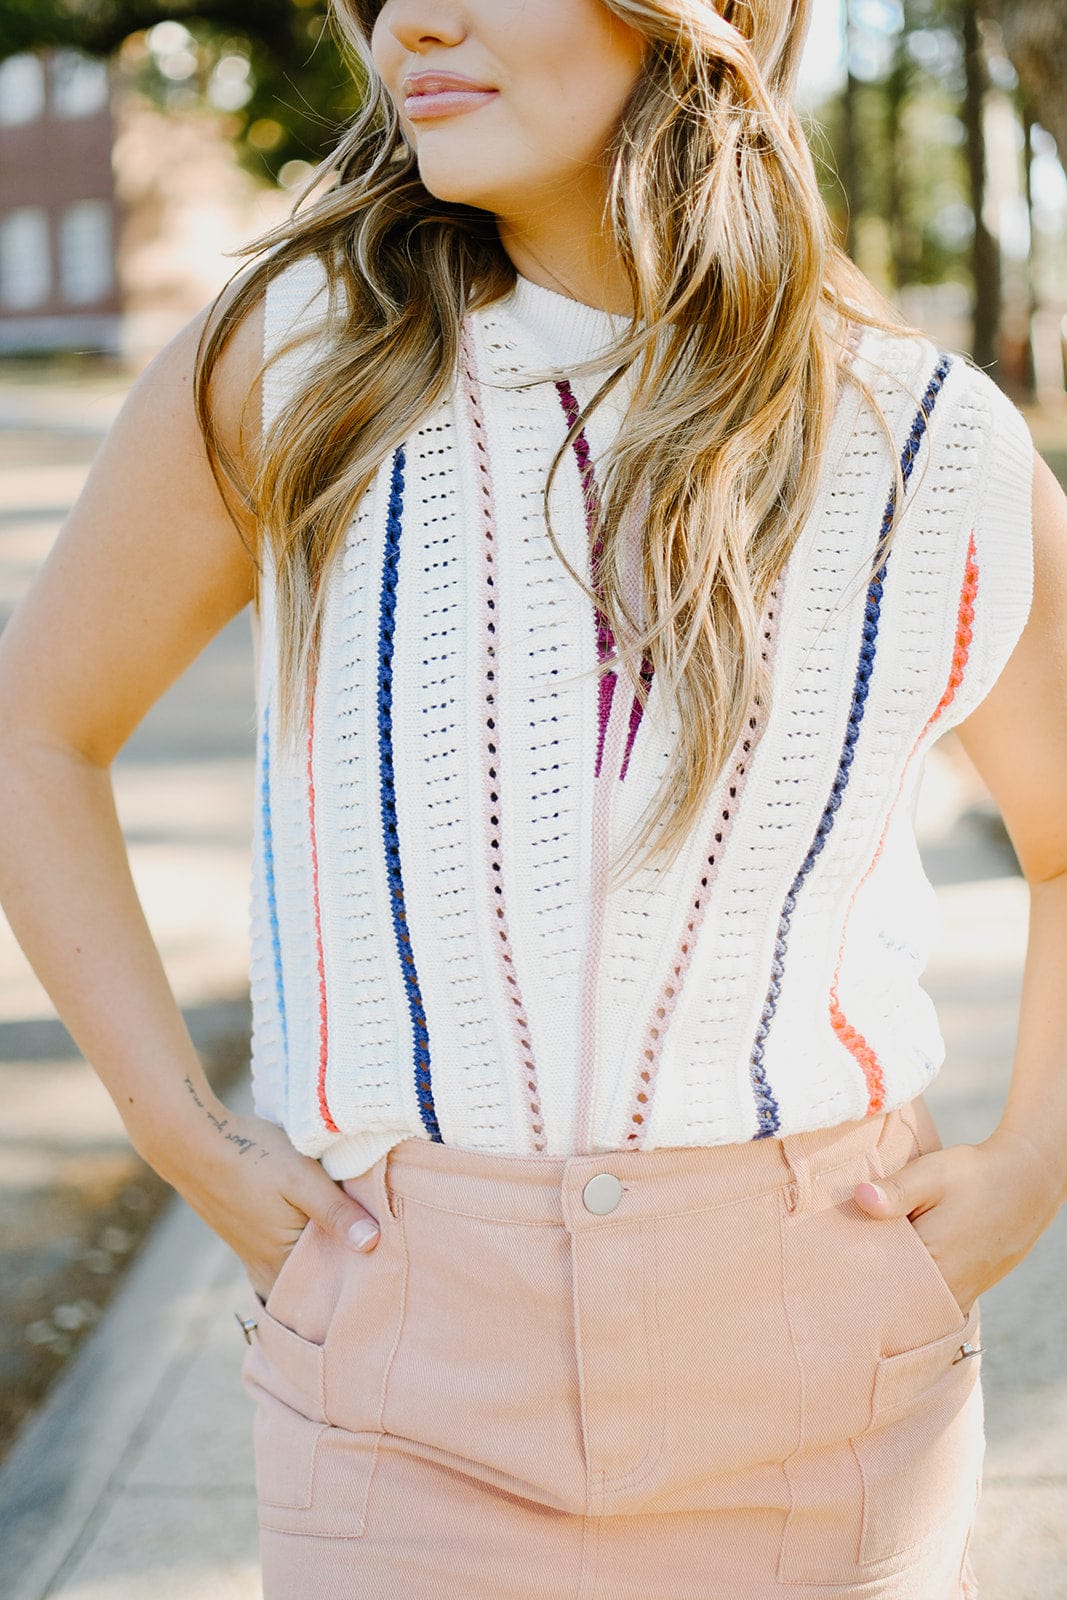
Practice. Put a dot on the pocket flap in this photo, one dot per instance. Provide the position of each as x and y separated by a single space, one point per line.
285 1444
311 1479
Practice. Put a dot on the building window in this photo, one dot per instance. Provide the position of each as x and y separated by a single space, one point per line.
25 259
85 264
21 90
79 85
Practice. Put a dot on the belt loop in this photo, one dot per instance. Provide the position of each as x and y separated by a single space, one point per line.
899 1117
798 1199
909 1118
388 1201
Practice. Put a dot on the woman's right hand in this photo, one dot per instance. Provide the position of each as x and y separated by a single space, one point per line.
257 1192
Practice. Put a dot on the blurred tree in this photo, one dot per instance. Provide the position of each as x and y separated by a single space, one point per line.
904 246
896 145
1035 37
99 26
985 249
849 162
274 67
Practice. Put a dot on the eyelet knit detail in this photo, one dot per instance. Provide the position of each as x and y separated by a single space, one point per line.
535 1129
729 803
416 848
423 1081
766 1104
851 1037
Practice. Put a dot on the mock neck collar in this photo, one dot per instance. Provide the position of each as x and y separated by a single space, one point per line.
569 329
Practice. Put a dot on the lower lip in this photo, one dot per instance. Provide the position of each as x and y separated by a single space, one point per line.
447 103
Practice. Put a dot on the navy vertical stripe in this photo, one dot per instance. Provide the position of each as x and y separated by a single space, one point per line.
766 1104
423 1084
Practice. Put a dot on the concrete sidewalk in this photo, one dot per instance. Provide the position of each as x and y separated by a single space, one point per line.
135 1482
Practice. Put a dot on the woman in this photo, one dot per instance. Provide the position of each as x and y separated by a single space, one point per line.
600 514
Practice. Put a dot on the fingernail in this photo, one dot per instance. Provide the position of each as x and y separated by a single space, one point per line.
361 1234
879 1193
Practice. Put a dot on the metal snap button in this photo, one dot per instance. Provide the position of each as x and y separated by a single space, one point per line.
602 1193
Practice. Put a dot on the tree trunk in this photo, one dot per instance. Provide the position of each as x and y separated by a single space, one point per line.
850 163
985 251
1035 37
901 251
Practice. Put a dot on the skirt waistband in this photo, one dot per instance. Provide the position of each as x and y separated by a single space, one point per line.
539 1189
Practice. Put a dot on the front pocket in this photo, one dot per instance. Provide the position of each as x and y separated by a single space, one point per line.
316 1369
870 1309
913 1241
919 1457
280 1364
285 1375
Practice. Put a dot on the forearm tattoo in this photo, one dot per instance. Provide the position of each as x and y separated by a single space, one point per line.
222 1126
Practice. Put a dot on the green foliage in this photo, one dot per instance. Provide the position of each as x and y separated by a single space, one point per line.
911 168
932 179
289 105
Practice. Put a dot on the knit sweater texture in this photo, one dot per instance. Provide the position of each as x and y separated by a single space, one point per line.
434 953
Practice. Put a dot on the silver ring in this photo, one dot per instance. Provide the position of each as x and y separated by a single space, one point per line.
247 1326
967 1350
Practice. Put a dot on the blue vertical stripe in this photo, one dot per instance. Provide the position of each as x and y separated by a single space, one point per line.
268 876
766 1104
423 1082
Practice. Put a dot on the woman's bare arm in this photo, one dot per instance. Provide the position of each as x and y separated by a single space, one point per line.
146 570
1017 739
982 1207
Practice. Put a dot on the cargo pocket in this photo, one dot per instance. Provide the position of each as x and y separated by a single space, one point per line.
312 1476
923 1448
890 1430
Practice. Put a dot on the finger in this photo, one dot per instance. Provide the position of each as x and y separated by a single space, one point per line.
898 1193
339 1214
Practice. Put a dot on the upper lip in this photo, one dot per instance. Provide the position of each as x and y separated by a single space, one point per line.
431 82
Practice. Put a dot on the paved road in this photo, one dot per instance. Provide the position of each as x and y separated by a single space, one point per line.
135 1481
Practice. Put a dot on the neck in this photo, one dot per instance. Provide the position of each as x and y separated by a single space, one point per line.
582 264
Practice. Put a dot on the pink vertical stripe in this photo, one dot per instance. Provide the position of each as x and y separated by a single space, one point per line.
492 813
587 1043
324 1108
645 1076
859 1047
611 759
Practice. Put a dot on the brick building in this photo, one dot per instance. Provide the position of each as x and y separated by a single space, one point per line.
59 286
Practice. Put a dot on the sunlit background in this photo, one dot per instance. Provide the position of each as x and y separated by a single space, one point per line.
136 162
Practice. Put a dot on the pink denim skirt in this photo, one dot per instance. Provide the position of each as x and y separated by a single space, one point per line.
696 1373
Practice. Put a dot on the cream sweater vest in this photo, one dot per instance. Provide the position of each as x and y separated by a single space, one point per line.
433 954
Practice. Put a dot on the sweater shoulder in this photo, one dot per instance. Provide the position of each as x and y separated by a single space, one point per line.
999 532
972 452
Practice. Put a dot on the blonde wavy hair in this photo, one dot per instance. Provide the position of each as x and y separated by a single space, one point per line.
749 311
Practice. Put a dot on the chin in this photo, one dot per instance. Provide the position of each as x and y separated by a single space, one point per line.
456 178
452 185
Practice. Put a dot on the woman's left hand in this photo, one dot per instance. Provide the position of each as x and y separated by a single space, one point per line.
978 1208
